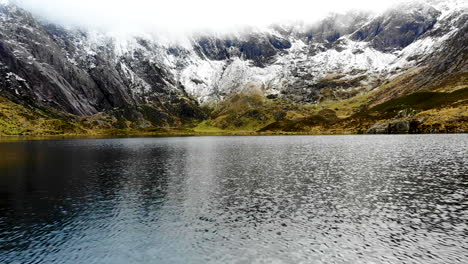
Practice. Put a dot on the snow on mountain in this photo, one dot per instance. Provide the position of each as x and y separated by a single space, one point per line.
279 60
208 79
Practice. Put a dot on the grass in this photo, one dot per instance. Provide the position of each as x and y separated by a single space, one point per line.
206 127
442 109
348 107
16 119
451 119
422 101
454 82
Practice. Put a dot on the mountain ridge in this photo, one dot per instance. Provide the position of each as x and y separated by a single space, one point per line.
144 83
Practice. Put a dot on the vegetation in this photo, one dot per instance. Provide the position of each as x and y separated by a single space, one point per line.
444 109
428 111
422 101
16 119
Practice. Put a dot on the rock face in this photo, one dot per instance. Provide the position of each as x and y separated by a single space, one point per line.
393 127
398 28
140 78
47 66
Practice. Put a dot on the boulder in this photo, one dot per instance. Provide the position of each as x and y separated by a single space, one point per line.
392 127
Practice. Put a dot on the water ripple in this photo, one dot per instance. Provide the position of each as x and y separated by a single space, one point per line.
327 199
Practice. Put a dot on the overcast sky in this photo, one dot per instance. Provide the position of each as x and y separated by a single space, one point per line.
189 15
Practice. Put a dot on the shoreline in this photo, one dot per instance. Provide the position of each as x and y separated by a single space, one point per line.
19 138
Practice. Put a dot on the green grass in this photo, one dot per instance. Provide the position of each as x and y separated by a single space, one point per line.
16 119
206 127
252 113
421 101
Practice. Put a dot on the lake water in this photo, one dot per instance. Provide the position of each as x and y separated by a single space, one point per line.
304 199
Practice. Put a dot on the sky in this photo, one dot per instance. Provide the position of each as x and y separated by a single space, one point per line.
183 16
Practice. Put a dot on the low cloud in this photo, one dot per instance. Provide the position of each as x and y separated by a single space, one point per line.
183 16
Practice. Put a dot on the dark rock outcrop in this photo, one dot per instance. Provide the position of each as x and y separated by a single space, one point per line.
398 27
395 127
44 66
258 48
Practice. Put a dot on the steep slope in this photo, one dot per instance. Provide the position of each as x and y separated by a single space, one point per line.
47 66
145 82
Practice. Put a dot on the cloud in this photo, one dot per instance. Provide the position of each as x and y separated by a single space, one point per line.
181 16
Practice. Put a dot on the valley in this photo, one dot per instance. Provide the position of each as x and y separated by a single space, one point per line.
350 73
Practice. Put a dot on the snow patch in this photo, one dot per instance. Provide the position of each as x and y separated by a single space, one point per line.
18 78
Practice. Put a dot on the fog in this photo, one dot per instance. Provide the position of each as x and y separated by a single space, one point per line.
183 16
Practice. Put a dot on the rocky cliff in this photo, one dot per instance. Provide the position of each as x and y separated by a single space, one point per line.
140 81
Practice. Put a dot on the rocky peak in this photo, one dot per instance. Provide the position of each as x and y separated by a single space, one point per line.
85 72
398 27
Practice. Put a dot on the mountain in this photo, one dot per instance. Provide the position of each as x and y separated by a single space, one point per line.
331 74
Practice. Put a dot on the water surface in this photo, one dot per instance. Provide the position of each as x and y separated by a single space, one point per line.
305 199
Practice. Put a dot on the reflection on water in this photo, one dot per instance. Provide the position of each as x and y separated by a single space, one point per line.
322 199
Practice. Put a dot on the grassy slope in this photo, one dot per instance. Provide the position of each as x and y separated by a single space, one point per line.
442 107
251 112
19 120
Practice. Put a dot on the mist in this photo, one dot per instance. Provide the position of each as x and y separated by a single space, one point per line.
185 16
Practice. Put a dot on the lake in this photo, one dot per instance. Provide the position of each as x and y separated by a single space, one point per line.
275 199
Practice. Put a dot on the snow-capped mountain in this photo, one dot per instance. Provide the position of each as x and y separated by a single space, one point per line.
85 72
